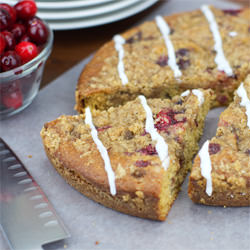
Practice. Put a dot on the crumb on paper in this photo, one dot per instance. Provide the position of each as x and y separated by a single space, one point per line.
169 222
65 246
29 156
211 238
97 242
224 206
209 211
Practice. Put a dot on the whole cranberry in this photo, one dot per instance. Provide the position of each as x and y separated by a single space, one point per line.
27 51
37 31
18 30
10 60
25 38
5 19
9 39
11 95
26 9
2 43
10 10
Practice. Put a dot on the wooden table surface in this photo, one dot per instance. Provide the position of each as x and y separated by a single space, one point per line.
72 46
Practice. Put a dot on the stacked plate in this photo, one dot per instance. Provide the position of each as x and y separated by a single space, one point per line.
74 14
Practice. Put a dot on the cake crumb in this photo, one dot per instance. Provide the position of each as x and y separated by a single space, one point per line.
97 242
65 246
209 211
29 156
224 206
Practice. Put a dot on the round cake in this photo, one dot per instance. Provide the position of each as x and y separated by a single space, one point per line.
205 48
143 100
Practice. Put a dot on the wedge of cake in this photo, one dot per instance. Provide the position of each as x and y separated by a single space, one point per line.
131 158
221 171
205 48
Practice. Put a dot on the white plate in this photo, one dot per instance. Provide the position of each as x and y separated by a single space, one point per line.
58 4
70 4
102 19
86 12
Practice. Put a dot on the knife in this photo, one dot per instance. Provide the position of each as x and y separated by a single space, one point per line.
27 218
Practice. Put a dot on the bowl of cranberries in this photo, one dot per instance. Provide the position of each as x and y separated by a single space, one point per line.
25 44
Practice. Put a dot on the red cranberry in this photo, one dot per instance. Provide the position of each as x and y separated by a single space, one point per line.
100 129
162 61
10 10
25 38
26 9
213 148
232 12
182 52
183 64
166 118
10 40
10 60
27 51
11 96
142 163
222 99
134 38
18 30
2 43
37 31
148 150
5 19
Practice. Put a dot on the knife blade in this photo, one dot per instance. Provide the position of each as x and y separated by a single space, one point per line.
27 218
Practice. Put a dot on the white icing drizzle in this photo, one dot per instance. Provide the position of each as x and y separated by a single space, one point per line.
161 146
220 58
199 95
245 102
165 31
232 33
119 41
196 92
103 151
206 167
185 93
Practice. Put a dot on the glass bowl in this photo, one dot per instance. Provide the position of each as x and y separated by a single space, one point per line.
19 86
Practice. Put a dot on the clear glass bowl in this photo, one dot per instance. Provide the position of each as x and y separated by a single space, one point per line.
19 86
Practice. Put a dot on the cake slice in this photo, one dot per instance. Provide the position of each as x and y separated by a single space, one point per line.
221 171
131 158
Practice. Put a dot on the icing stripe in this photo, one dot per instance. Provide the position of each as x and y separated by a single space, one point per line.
206 168
196 92
119 41
161 145
103 151
245 102
165 31
220 58
185 93
232 33
199 95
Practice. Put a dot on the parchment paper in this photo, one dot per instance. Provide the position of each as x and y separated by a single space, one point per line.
92 226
